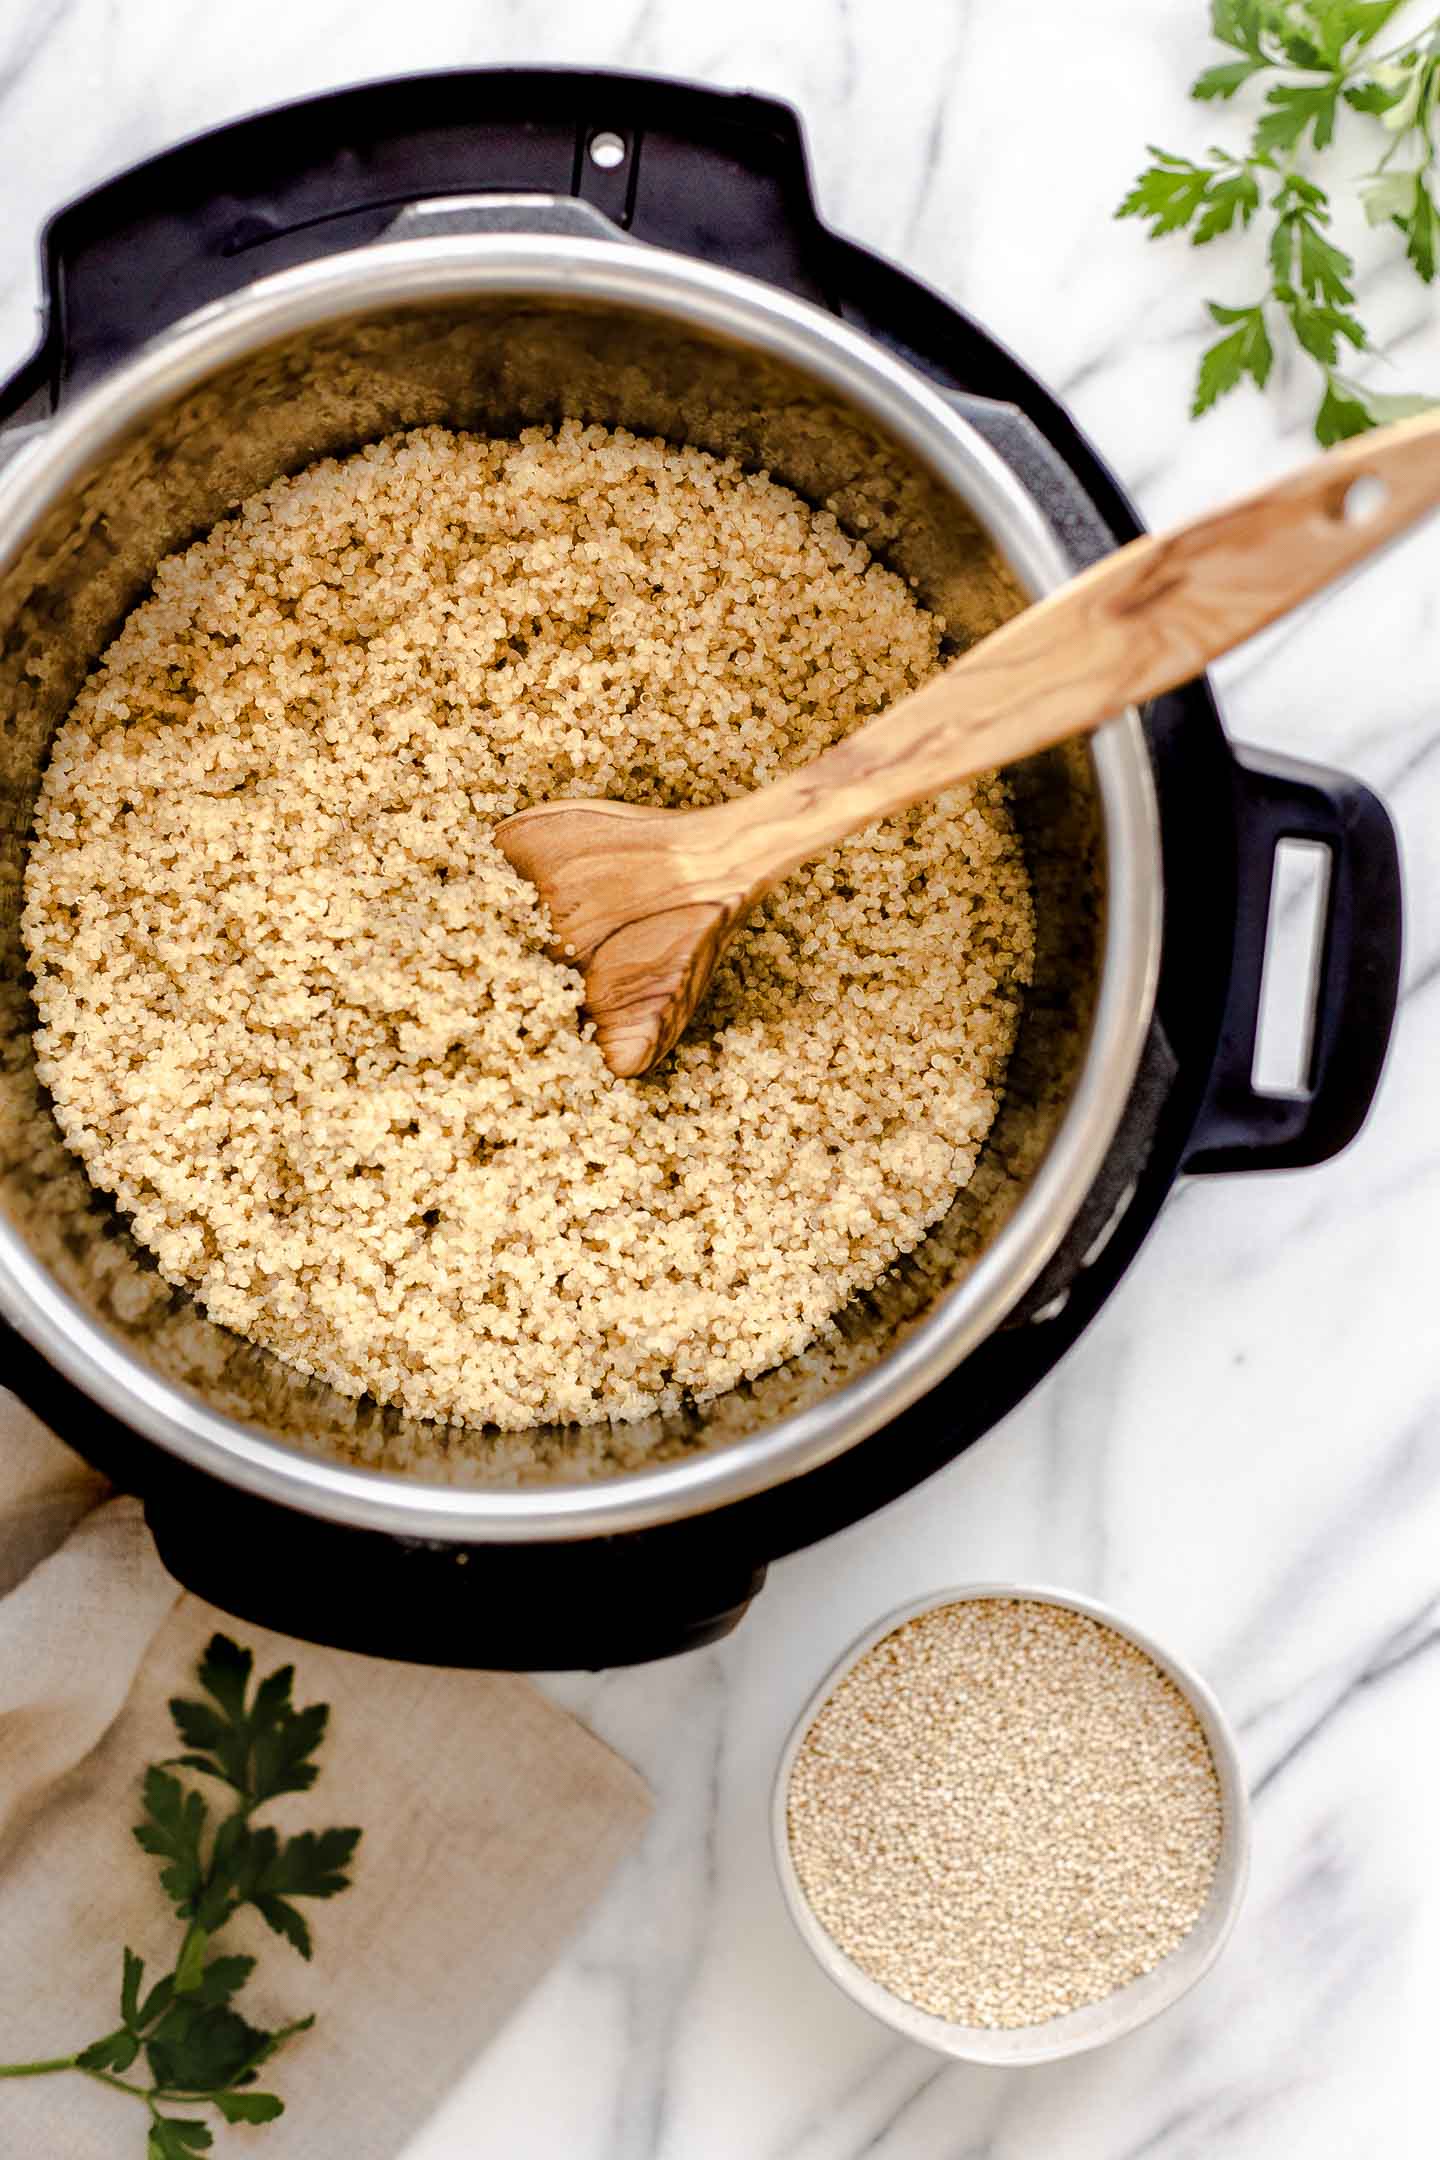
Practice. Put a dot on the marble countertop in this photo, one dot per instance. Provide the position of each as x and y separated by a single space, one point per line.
1244 1451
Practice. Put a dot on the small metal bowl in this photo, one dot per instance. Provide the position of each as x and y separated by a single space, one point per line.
1129 2006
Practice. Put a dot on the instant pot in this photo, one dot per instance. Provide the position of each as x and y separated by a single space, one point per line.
496 248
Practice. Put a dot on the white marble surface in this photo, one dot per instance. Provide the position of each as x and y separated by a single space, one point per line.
1245 1450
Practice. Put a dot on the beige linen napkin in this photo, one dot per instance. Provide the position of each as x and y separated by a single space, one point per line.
490 1822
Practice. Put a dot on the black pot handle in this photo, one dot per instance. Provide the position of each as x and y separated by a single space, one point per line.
597 1603
1239 1128
594 1603
716 173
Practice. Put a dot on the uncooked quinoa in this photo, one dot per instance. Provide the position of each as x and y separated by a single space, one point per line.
295 1009
1005 1811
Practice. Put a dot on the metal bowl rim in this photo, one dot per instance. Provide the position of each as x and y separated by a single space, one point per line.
852 366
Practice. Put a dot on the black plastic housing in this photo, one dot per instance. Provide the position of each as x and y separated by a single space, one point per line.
722 176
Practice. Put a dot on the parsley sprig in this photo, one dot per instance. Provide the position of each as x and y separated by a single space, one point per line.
197 2046
1314 56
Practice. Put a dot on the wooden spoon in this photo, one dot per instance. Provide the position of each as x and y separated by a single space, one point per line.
645 901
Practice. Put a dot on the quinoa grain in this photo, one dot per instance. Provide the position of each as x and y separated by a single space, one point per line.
1004 1811
295 1008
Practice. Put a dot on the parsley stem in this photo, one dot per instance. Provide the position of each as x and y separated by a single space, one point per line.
191 1962
1364 60
71 2062
1361 61
103 2077
185 2021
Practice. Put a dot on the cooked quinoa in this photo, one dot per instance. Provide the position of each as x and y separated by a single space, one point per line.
1005 1810
295 1010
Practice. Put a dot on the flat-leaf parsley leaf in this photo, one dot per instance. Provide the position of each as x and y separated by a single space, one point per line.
1310 296
197 2046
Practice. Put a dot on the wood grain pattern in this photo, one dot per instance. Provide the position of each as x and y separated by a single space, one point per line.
645 901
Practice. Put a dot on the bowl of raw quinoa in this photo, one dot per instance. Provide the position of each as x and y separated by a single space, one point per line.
1010 1825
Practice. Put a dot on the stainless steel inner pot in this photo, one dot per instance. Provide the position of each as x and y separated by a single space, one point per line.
493 329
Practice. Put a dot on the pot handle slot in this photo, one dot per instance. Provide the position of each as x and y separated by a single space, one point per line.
1240 1126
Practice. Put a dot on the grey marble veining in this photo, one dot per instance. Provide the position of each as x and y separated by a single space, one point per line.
1245 1449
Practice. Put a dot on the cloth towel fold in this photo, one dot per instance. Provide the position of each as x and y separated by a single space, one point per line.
491 1820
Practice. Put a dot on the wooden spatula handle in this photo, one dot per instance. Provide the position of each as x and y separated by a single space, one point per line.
1143 620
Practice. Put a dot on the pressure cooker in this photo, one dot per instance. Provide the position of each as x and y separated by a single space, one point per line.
494 249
